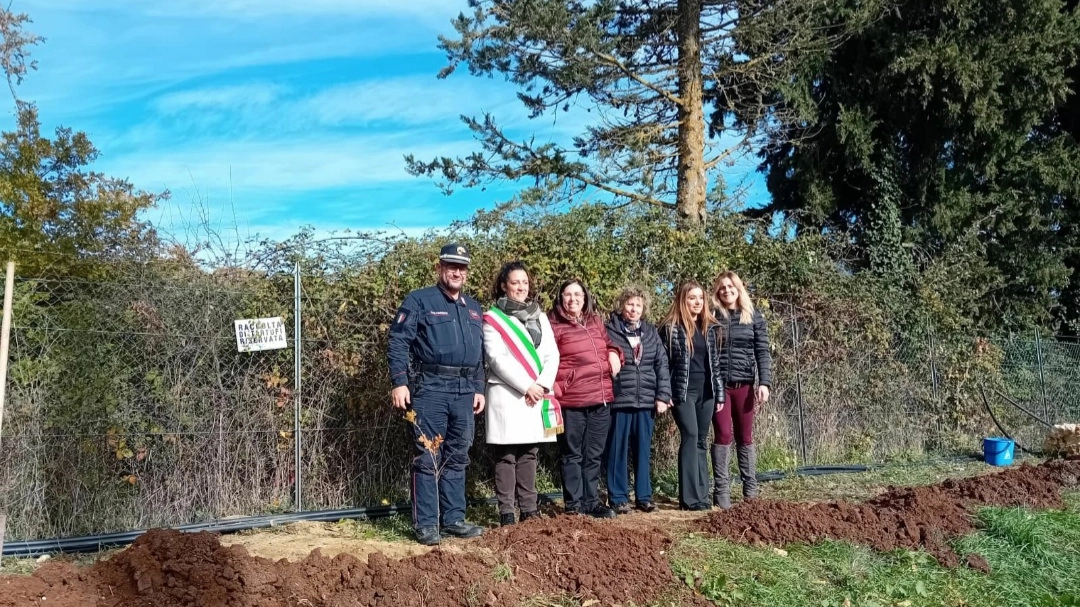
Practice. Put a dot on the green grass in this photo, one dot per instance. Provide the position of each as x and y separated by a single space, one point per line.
17 566
546 480
1034 559
857 485
26 566
502 573
861 485
388 529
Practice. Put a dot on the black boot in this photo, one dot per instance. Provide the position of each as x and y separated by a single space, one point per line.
721 461
747 455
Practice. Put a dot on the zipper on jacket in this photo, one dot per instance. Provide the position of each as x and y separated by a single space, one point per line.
599 362
727 344
686 355
637 383
637 395
684 349
710 345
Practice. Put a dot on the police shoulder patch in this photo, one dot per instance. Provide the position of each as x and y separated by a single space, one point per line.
401 317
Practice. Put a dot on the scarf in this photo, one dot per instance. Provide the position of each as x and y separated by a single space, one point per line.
527 313
630 329
527 356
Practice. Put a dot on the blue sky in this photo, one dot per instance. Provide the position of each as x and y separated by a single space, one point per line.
265 115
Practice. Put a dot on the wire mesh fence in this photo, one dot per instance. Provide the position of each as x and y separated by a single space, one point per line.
129 406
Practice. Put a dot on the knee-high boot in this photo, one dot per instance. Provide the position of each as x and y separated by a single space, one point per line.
721 461
747 455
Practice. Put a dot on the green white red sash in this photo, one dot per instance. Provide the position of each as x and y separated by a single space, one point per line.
522 349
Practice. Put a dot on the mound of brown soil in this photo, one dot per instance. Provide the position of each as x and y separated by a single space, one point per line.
571 555
907 517
586 558
593 560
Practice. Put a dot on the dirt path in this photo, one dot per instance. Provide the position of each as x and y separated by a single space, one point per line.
297 540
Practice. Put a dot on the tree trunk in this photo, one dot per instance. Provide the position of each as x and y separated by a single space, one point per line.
690 193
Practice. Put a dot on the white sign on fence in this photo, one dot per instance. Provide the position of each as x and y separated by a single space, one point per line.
258 334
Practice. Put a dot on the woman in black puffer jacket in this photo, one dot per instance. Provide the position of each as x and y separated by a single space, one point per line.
642 389
744 358
693 341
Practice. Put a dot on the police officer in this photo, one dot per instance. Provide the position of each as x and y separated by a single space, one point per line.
437 368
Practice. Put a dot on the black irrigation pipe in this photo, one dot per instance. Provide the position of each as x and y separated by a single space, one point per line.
98 542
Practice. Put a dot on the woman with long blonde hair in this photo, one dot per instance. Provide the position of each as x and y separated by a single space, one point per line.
744 358
692 337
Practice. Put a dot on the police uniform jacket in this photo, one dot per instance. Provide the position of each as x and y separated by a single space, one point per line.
439 342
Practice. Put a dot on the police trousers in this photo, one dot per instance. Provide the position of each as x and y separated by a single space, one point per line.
438 471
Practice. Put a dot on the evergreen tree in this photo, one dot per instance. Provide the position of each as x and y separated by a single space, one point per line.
950 100
647 70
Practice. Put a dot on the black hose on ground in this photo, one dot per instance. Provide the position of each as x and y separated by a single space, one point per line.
98 542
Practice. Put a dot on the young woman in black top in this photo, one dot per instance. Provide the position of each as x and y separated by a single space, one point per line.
692 337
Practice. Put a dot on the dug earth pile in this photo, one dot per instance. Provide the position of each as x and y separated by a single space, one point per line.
601 562
560 556
901 517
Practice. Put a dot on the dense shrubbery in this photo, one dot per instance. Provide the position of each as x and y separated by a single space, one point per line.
129 406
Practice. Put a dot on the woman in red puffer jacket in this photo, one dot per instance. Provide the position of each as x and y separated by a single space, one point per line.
584 385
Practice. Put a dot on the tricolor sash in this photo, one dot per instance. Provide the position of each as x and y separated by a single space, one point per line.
522 349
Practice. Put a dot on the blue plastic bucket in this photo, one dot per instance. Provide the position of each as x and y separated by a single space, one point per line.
998 451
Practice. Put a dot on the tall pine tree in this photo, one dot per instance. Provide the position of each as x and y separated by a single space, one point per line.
647 70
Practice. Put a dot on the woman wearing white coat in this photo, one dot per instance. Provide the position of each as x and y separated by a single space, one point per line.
522 360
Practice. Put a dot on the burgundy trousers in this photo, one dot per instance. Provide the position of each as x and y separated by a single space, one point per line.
735 423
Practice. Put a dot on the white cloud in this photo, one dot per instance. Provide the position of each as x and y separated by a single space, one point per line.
231 97
259 9
424 11
269 114
293 165
417 108
405 101
100 53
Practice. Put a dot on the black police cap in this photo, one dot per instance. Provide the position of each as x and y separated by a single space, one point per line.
455 253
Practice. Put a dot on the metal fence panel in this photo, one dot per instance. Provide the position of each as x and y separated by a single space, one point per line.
129 406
